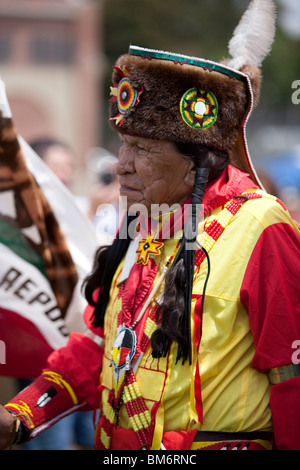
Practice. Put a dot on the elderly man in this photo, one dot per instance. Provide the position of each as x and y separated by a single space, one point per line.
192 329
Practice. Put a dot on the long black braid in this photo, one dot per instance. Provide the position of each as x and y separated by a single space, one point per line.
174 314
179 283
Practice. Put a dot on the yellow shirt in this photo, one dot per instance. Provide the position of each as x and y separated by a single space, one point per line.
235 396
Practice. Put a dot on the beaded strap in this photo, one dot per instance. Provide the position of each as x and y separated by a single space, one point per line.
138 413
211 234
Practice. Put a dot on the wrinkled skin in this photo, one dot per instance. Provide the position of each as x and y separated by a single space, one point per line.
153 172
6 428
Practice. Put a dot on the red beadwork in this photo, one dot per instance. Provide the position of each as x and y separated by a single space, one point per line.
137 406
215 229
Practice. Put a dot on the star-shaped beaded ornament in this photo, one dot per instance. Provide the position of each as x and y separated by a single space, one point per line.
148 247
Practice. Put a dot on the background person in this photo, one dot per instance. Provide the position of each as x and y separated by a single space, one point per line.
104 206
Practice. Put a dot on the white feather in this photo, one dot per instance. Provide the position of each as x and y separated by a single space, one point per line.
253 37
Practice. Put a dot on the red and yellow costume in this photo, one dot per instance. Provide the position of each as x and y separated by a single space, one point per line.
249 324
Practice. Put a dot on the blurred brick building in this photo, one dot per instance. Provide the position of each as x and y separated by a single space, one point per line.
50 61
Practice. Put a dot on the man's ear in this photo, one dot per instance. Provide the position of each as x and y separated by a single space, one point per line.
189 178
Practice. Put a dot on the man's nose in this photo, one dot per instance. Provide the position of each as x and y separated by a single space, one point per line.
126 161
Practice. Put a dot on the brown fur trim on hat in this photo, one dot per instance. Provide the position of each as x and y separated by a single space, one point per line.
256 79
164 82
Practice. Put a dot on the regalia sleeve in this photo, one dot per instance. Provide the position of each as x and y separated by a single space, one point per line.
69 382
270 292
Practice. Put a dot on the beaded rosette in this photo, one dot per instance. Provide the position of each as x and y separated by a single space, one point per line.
124 94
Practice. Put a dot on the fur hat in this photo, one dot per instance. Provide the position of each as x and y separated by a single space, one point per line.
166 96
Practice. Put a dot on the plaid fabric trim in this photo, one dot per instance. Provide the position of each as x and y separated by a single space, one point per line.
283 373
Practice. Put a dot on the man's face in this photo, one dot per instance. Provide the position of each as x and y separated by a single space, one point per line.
153 172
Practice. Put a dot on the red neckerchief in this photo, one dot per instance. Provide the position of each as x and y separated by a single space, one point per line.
175 222
231 183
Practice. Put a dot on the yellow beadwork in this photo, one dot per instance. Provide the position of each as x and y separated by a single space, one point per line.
206 241
105 439
150 326
224 218
109 412
132 391
138 420
135 423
